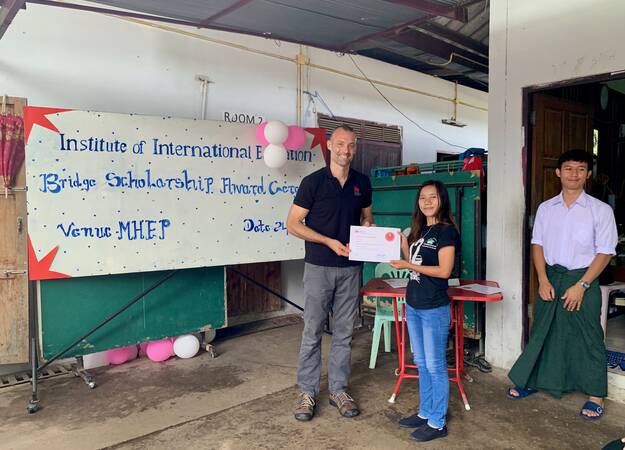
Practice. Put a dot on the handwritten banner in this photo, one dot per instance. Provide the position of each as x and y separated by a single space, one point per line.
118 193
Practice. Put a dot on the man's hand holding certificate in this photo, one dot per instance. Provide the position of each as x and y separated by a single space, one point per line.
375 244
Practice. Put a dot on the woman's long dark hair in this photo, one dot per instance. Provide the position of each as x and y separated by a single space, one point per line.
444 211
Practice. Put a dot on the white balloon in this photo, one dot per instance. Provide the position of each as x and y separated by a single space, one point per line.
186 346
274 156
276 132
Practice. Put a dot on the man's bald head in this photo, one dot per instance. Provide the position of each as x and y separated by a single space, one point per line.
342 129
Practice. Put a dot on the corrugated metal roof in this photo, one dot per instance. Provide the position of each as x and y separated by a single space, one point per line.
477 26
446 38
191 10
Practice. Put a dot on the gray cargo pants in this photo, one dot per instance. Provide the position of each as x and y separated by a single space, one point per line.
326 289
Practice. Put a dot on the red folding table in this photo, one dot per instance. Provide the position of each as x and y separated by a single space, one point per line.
377 287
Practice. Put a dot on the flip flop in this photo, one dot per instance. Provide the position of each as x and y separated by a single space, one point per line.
591 406
616 444
522 393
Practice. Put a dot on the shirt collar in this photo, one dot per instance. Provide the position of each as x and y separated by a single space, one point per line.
582 200
330 176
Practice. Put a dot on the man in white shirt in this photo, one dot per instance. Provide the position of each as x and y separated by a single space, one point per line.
573 240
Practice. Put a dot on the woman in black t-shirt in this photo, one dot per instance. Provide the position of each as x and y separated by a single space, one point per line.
429 253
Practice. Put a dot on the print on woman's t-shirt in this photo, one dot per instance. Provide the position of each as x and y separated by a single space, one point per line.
416 258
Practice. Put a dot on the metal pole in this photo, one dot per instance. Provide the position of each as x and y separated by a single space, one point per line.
33 404
459 198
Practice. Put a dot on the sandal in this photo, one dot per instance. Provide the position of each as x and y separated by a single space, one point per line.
522 393
616 444
594 407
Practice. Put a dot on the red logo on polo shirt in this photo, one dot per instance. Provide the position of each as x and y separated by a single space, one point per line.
356 191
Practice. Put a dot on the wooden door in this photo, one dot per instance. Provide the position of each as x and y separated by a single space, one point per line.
245 298
558 126
14 264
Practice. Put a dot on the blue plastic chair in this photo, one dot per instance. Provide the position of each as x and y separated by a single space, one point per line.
384 316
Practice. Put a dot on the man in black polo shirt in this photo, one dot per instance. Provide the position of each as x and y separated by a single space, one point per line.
327 203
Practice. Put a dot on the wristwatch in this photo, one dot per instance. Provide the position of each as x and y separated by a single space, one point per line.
584 284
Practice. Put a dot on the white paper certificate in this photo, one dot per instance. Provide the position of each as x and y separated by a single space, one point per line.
397 283
375 244
481 289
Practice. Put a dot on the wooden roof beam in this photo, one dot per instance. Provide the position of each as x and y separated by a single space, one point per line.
460 13
361 42
225 12
8 10
454 36
433 46
428 7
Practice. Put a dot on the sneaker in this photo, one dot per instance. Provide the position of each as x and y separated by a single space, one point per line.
413 421
427 433
346 405
477 361
305 407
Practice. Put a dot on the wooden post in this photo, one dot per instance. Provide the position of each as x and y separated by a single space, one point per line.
14 263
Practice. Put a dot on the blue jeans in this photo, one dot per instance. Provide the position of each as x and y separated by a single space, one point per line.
428 330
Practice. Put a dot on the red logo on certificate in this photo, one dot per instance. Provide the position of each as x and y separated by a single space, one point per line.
390 236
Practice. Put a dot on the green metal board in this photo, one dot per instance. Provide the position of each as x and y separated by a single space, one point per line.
394 199
191 300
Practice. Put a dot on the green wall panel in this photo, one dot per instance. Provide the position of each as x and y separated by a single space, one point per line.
189 301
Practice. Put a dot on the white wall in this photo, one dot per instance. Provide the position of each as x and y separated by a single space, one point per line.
532 42
86 61
352 98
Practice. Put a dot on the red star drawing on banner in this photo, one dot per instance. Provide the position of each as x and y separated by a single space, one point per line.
319 138
37 115
40 269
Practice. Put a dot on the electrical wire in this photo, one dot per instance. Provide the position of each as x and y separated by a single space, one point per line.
399 111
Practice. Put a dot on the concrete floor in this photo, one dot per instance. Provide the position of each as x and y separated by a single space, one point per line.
615 336
243 399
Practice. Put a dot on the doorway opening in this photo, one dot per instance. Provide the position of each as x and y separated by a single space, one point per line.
587 114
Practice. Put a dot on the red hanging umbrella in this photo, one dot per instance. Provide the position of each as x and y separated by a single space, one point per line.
11 147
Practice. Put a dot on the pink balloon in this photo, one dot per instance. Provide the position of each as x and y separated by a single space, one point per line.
296 139
160 350
118 355
260 134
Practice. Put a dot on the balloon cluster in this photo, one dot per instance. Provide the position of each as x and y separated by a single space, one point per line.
185 346
277 138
